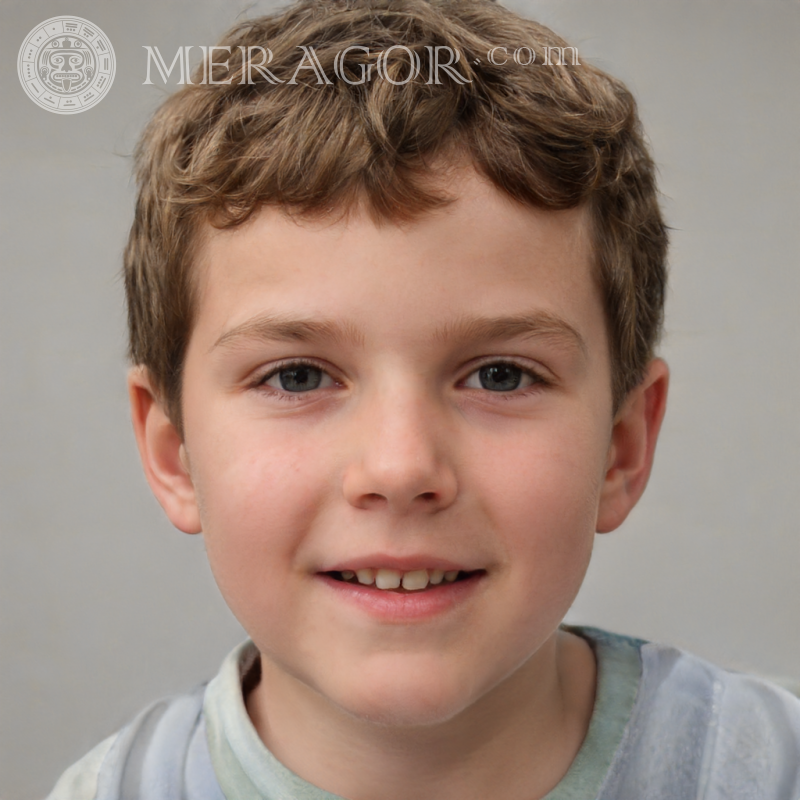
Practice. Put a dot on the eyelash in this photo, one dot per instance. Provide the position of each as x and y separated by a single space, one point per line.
284 396
539 381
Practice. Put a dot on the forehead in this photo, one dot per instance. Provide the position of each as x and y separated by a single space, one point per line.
483 255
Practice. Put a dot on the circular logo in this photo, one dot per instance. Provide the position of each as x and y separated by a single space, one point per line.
66 65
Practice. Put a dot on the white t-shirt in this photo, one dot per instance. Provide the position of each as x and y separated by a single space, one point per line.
666 725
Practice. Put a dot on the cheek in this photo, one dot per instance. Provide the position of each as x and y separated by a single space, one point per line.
541 493
544 472
258 481
257 502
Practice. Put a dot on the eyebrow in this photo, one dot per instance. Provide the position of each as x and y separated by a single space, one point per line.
275 328
538 324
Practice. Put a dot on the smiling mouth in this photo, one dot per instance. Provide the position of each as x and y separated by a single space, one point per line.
392 580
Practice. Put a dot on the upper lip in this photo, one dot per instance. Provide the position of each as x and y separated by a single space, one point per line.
400 563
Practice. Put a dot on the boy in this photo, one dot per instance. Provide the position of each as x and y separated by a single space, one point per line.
394 292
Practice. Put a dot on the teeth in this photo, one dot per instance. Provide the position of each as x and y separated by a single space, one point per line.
412 581
436 576
365 576
388 579
418 579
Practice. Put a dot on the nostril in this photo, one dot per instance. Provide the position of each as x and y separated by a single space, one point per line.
428 495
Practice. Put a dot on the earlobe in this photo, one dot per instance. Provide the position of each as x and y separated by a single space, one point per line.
163 454
632 448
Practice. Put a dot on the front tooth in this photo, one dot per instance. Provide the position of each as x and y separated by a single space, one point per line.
436 576
365 576
387 579
451 575
417 579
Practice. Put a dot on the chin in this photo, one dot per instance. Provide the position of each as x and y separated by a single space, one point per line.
405 701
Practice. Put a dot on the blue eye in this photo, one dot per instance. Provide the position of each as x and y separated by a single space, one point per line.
500 377
298 378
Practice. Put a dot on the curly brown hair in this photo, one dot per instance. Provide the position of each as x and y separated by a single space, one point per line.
549 136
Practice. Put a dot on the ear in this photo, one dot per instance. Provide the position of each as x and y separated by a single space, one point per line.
163 455
633 446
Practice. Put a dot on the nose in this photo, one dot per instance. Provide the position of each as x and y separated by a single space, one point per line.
398 455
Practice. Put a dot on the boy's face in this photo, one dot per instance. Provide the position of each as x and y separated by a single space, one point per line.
428 397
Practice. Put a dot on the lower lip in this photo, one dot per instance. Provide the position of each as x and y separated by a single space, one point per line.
404 607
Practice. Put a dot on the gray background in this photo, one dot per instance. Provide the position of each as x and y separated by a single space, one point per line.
103 606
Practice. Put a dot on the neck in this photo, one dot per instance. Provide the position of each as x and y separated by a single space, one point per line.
522 735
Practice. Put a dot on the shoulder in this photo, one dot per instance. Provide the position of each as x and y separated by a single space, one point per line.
676 678
79 782
163 753
150 748
713 732
752 726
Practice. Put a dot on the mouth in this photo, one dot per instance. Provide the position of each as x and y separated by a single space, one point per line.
408 582
404 596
